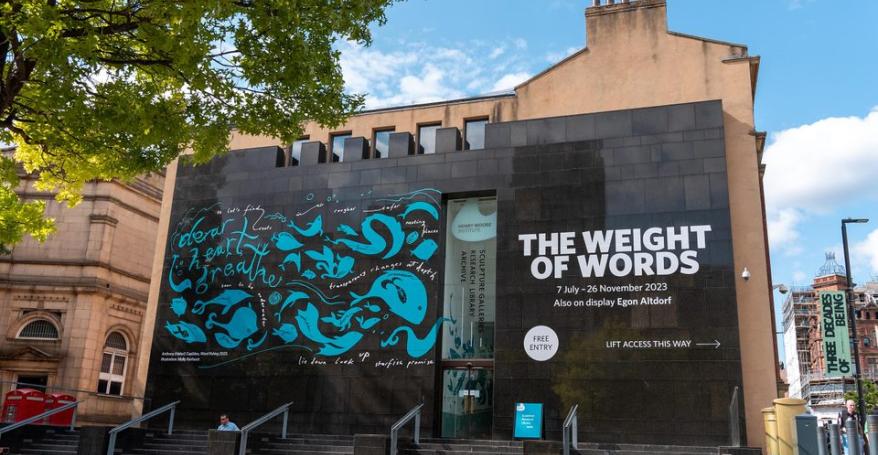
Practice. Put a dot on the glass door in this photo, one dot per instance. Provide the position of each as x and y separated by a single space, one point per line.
467 403
469 312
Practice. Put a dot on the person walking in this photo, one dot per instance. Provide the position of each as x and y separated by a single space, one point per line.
849 412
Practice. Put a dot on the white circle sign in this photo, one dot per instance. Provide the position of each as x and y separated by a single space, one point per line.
541 343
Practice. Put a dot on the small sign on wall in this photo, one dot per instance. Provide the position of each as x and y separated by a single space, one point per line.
528 421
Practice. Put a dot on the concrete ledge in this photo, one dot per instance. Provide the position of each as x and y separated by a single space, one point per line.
222 442
738 451
542 447
371 444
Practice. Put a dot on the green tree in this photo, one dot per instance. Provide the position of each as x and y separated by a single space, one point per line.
109 89
870 395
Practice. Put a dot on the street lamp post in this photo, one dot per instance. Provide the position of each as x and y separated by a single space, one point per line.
858 376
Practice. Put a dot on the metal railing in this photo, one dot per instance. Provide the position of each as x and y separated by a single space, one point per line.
40 417
115 431
735 419
570 431
245 432
415 413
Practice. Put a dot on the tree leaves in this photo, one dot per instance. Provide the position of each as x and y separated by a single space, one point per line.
110 89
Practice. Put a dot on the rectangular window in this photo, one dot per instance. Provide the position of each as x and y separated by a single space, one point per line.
474 130
381 143
337 146
38 382
470 278
427 138
296 151
112 373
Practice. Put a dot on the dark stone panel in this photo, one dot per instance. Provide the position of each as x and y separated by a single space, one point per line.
681 117
708 114
649 121
463 169
613 124
313 152
546 131
448 140
496 135
356 149
715 165
401 144
518 134
709 149
697 188
580 128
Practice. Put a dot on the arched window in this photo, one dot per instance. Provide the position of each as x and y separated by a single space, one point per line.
39 329
113 365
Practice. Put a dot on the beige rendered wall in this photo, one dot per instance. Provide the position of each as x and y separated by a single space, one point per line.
631 61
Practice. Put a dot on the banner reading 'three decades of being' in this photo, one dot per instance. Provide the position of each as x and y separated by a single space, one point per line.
836 338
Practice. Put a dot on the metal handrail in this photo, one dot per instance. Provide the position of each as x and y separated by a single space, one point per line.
735 419
114 432
42 416
415 413
285 410
570 423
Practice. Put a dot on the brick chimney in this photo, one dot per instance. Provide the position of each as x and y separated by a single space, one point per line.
610 20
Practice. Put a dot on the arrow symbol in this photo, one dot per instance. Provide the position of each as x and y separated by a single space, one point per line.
715 344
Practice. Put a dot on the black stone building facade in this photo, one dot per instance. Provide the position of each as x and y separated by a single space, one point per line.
358 289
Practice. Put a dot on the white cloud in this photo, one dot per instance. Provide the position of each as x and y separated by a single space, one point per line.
812 167
419 72
782 233
509 81
868 250
817 165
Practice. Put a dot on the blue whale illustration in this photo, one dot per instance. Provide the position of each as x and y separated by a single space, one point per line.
240 326
308 318
187 332
421 206
227 299
403 293
374 243
315 227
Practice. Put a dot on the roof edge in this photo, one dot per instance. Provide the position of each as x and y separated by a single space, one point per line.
551 67
709 40
471 99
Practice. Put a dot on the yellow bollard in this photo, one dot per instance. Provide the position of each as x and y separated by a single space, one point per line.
770 420
786 410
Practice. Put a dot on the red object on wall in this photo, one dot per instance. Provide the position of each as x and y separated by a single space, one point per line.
19 404
56 400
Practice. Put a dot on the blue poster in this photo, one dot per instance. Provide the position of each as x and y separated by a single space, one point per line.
528 421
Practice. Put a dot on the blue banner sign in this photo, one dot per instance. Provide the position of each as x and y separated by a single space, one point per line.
528 421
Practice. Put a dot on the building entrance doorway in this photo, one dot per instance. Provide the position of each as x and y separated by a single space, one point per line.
467 402
469 303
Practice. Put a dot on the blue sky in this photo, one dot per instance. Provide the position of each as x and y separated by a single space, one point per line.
817 95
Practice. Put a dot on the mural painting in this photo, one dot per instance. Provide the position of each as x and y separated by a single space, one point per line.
323 280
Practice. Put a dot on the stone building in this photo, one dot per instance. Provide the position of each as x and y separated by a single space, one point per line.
482 225
71 309
804 359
